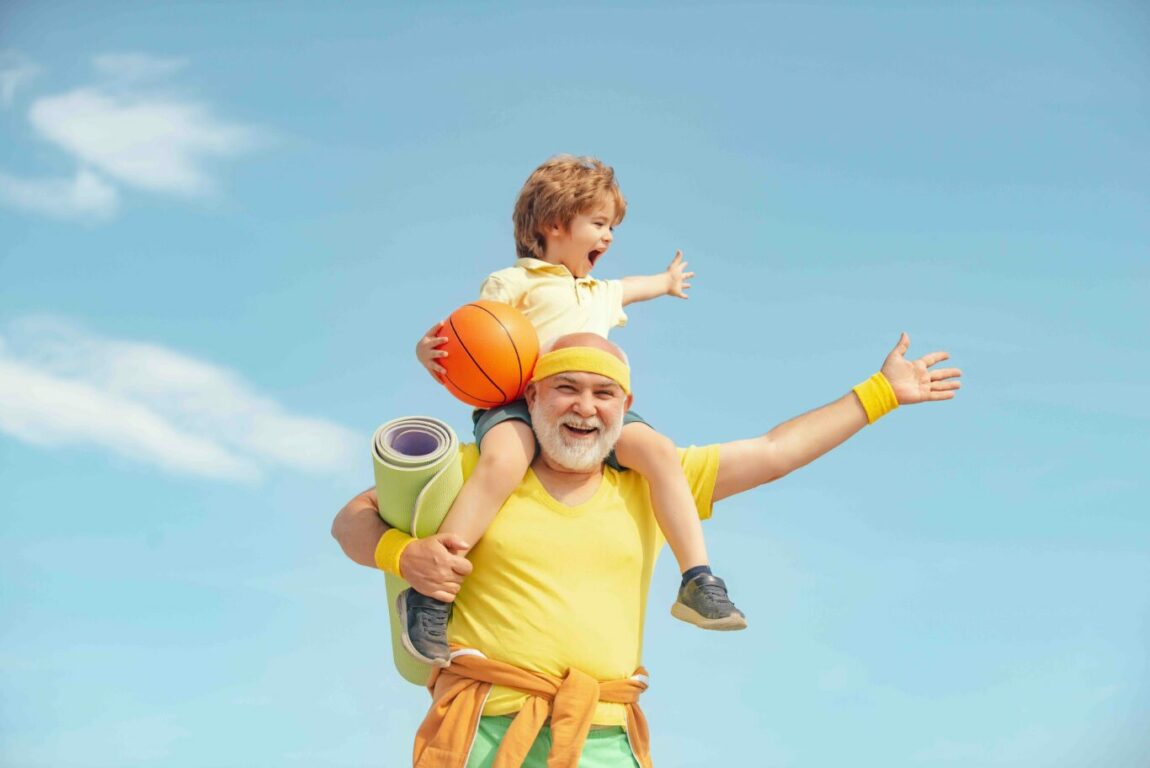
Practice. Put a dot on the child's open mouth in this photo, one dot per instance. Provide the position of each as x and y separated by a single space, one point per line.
593 256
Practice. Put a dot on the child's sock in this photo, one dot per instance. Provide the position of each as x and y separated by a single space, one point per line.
691 573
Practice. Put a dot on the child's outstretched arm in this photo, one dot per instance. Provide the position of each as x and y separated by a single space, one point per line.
673 282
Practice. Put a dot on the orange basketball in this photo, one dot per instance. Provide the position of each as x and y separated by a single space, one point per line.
491 350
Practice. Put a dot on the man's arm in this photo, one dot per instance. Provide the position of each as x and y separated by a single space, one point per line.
358 527
672 282
747 464
432 565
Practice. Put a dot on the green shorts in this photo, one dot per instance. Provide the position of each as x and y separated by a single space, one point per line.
604 748
517 411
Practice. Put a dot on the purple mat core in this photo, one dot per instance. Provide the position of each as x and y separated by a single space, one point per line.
411 443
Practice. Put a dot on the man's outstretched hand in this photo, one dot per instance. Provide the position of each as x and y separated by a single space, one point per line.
913 381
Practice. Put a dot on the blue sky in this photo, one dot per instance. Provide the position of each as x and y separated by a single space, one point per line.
223 227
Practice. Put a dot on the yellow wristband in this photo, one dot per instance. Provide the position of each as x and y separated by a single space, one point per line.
877 397
388 550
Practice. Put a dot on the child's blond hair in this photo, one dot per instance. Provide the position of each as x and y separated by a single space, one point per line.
556 192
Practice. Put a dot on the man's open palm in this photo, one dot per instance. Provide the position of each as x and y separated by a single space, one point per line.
913 381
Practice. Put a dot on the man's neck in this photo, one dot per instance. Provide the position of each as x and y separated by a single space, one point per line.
567 486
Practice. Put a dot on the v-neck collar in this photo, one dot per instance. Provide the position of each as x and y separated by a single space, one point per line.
535 485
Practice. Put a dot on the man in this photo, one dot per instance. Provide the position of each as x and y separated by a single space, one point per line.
548 626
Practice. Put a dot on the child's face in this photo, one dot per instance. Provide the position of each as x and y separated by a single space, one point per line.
579 245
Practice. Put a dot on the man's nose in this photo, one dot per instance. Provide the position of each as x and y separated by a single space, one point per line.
585 405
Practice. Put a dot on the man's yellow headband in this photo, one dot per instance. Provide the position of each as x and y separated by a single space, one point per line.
589 359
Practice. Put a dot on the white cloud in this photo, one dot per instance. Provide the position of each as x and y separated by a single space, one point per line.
152 142
86 196
16 71
127 128
60 386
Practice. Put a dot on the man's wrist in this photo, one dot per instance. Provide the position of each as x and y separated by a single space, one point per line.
877 397
389 549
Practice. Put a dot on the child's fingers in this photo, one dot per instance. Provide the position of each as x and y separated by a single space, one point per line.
439 353
688 275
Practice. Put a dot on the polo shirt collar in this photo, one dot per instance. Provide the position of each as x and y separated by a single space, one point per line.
538 265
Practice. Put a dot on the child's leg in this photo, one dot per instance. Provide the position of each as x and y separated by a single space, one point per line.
505 453
702 598
655 457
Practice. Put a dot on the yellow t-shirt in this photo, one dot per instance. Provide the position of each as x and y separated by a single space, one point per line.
556 587
554 301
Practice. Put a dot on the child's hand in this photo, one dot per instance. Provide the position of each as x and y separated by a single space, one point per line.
677 277
427 353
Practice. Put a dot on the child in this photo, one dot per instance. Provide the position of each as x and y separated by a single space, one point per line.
564 219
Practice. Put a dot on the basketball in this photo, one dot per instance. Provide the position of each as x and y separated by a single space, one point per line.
491 351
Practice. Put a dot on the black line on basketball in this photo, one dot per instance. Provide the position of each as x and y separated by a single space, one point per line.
514 346
494 403
477 365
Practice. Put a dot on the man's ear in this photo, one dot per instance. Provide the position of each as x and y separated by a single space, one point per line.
627 403
530 394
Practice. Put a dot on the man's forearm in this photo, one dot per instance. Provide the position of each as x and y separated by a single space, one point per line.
432 565
746 464
803 439
358 526
644 287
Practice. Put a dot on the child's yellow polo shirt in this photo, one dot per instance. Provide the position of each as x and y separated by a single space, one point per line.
555 301
557 586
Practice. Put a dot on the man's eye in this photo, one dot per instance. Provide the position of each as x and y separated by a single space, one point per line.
565 388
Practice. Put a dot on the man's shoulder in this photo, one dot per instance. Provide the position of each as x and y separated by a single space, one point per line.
698 457
697 461
468 457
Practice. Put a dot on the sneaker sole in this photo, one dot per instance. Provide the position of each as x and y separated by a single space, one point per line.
731 623
401 607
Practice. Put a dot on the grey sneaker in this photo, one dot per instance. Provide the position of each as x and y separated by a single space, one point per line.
703 602
424 623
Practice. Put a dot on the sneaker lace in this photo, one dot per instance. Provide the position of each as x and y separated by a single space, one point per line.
433 620
716 593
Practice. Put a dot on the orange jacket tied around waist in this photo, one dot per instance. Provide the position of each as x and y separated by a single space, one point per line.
444 739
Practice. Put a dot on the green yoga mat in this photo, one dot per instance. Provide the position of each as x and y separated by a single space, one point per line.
418 474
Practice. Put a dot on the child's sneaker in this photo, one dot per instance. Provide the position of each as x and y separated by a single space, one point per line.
424 627
703 601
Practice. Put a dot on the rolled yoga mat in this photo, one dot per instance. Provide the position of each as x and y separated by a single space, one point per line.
418 474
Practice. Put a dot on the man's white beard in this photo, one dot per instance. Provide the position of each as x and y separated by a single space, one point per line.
568 452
